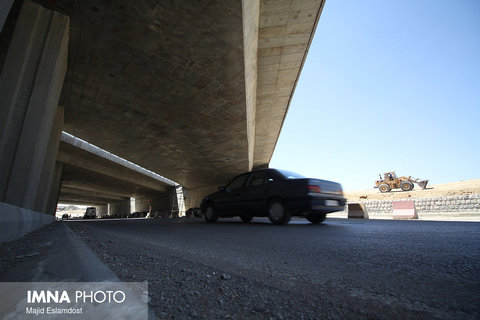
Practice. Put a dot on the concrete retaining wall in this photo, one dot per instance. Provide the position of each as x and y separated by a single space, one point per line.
16 221
466 203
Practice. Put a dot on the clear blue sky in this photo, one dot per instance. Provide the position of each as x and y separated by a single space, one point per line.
388 85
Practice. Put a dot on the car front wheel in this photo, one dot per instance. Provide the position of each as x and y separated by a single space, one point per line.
246 219
317 218
210 214
278 213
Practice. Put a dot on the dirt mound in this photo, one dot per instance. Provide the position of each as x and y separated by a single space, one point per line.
432 191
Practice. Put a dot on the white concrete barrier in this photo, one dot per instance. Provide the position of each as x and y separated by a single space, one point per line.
404 209
357 211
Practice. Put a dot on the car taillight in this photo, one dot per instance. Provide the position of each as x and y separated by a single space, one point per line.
314 188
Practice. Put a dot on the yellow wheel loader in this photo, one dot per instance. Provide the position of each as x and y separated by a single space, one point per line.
391 181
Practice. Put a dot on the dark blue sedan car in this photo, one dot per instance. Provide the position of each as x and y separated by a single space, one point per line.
273 193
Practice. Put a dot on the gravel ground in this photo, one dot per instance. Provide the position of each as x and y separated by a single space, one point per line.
183 289
340 270
15 252
185 285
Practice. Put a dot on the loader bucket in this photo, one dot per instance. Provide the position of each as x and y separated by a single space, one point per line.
422 183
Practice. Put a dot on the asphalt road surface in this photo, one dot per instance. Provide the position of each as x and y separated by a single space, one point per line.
341 269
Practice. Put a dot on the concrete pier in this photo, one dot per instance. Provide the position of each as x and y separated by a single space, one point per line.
102 211
5 6
119 209
30 119
30 86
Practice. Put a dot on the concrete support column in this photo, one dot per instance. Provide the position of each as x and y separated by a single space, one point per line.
50 177
30 86
160 205
102 211
55 188
119 209
173 208
5 6
141 204
193 197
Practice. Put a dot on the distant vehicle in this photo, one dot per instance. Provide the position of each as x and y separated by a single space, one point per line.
391 181
273 193
139 214
65 216
90 213
196 212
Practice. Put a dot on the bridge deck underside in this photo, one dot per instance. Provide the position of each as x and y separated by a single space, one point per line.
162 83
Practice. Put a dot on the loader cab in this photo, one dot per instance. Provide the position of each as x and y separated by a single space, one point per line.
390 176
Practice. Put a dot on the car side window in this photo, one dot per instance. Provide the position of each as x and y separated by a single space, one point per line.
258 178
237 182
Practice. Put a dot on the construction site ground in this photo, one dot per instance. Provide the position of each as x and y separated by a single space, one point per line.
460 188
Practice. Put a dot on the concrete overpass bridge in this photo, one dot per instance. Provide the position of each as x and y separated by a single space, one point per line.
92 176
196 91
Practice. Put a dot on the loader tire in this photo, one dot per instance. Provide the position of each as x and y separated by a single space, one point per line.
384 188
406 186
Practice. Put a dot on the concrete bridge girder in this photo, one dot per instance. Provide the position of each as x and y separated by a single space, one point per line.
66 191
82 179
99 166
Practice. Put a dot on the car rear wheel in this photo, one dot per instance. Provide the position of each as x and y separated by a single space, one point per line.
278 213
210 214
317 218
246 219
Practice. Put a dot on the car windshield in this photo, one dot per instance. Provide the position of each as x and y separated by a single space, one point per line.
237 182
290 175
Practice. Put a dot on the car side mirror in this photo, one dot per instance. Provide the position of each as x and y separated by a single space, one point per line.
222 188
